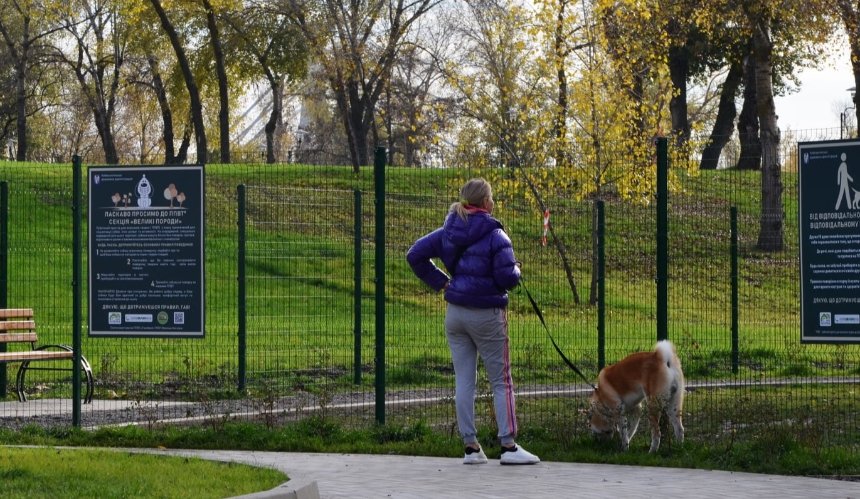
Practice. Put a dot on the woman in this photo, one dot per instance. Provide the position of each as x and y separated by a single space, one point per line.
480 258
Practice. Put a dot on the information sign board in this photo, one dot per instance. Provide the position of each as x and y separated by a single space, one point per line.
146 262
829 218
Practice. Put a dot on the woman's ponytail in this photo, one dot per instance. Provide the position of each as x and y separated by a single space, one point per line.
474 193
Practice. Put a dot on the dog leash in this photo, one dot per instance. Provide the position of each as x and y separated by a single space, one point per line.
567 361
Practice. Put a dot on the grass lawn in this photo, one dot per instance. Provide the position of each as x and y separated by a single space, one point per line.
85 473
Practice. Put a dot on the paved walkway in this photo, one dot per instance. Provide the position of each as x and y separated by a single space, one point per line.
331 476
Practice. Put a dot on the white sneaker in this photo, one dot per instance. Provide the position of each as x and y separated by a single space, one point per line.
474 456
518 455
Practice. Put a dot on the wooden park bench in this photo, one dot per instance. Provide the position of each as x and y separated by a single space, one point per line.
17 326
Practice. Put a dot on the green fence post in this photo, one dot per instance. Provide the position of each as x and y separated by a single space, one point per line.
240 272
357 287
735 307
601 286
77 258
662 238
379 188
4 269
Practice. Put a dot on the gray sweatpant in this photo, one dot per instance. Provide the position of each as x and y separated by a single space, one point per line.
481 331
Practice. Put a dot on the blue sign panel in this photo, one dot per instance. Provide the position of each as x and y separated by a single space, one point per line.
829 217
146 251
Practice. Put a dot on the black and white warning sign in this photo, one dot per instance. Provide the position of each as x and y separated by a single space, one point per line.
146 263
829 218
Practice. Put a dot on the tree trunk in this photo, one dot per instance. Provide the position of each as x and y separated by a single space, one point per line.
725 122
274 119
20 58
560 124
360 127
112 91
190 82
345 116
21 107
410 151
851 21
102 113
855 70
389 129
182 155
166 114
351 107
103 127
223 84
748 122
637 93
771 224
275 125
679 69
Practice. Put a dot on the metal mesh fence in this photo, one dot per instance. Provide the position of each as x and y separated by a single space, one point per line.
309 305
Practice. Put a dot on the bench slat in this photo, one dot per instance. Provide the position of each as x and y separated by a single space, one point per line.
16 325
23 313
18 338
35 355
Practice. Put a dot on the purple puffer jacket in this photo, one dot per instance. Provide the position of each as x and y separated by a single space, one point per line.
486 269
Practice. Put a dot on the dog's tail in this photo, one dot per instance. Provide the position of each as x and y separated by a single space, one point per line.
667 353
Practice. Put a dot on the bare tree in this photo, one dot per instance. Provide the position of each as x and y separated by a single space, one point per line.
356 43
7 103
413 113
167 132
771 25
223 83
24 27
724 124
190 81
97 57
278 49
771 227
139 114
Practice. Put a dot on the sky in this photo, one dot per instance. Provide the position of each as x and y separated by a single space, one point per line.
822 96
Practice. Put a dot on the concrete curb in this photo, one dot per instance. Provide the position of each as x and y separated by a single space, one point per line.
294 489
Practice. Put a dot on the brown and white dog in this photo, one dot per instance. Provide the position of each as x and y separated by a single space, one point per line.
616 403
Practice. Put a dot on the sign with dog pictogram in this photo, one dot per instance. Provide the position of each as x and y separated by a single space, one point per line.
829 229
146 251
